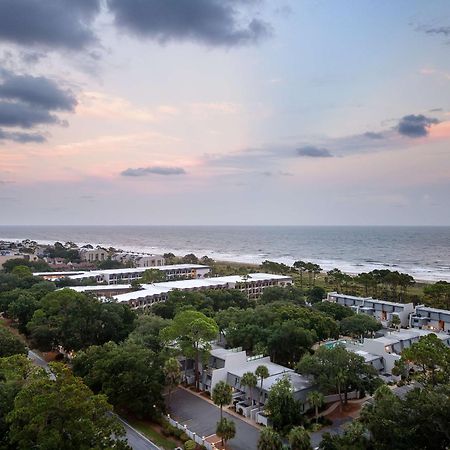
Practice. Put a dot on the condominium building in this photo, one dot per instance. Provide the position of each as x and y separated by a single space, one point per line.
431 319
253 286
94 255
125 276
381 310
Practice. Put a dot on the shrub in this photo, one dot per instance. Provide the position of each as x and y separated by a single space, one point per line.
190 445
184 437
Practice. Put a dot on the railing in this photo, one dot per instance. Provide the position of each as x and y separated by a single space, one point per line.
201 440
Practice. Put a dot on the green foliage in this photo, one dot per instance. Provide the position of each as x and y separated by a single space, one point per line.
68 253
128 374
207 302
152 276
22 309
110 264
190 445
172 373
222 395
432 356
316 400
190 258
290 294
10 344
146 331
353 438
37 266
284 410
62 413
226 429
299 439
316 294
359 325
334 310
192 330
418 421
285 329
438 294
75 321
22 271
269 439
337 370
249 380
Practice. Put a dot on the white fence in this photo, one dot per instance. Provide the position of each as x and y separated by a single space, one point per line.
335 397
192 435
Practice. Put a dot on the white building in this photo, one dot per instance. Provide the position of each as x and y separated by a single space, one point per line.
431 319
94 255
125 276
390 346
139 260
381 310
253 286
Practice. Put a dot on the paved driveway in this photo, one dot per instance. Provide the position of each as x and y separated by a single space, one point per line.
201 417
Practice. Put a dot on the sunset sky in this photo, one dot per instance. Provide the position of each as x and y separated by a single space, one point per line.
225 112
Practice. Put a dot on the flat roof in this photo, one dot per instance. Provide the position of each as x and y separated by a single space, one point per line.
368 357
167 286
102 287
368 299
435 310
62 273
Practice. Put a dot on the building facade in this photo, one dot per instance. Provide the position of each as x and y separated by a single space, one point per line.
431 319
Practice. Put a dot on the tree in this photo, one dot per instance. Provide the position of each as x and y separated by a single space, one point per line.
262 372
151 276
283 409
226 430
359 325
299 439
338 370
301 267
334 310
22 309
395 321
316 294
128 374
190 258
249 380
316 400
195 331
432 356
222 395
10 344
22 271
146 331
439 294
269 439
172 372
63 413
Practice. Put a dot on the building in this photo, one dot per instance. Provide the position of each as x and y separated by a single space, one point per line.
253 286
139 260
94 255
387 349
6 256
102 290
125 276
381 310
431 319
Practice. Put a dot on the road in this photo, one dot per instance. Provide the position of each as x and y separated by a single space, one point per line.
201 417
136 440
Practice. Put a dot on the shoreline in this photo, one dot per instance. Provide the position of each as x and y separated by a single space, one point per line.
230 262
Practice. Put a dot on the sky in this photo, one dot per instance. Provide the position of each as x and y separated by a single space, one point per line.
222 112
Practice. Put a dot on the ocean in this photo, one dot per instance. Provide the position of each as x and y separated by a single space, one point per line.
423 252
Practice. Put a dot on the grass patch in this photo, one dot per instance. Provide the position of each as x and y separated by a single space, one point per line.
147 429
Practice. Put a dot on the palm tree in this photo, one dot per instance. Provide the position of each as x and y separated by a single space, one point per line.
340 380
222 395
249 380
316 399
299 439
172 372
226 430
316 269
269 439
261 372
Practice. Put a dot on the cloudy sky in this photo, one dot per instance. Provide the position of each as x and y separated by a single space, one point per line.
225 112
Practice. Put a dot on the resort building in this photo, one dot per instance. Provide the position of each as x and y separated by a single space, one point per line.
102 290
381 310
253 286
125 276
433 319
139 260
387 349
94 255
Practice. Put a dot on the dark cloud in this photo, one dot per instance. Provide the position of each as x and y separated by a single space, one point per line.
153 170
27 101
20 114
37 91
445 31
22 138
415 126
49 23
436 110
313 152
212 22
373 135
